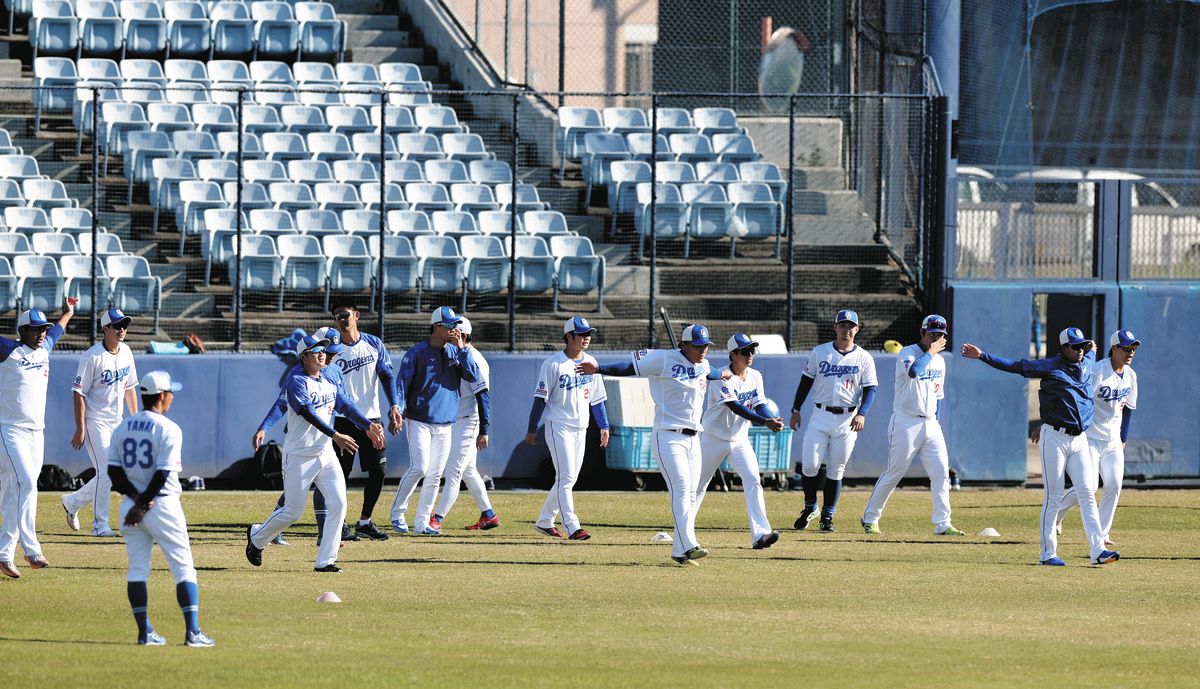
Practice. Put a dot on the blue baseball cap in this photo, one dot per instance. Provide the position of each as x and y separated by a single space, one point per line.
1071 336
1123 338
578 325
845 315
155 382
696 335
114 316
739 341
34 318
311 345
934 323
335 345
444 315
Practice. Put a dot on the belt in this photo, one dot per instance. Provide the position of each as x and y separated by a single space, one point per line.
836 410
1068 431
685 431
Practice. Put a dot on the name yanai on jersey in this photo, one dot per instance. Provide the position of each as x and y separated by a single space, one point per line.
569 395
102 378
1114 392
838 379
919 396
677 387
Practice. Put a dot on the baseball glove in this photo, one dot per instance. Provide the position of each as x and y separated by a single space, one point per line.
194 344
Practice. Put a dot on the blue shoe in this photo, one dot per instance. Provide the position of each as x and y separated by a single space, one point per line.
1054 562
152 639
1106 556
400 525
278 540
199 639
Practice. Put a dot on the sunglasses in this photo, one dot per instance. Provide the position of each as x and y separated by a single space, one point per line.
448 327
1080 347
343 315
119 326
746 351
1128 350
936 325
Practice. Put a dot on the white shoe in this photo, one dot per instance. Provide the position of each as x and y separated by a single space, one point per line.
72 517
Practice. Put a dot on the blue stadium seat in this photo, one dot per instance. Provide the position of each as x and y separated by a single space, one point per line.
577 268
322 34
401 267
534 266
574 123
349 265
189 32
302 264
442 267
670 215
760 214
487 264
76 271
53 28
145 28
277 33
101 30
135 289
232 31
39 283
318 223
709 210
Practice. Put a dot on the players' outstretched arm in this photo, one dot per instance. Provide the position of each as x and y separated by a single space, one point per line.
746 413
621 368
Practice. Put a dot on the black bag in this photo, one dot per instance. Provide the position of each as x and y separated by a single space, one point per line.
55 478
269 457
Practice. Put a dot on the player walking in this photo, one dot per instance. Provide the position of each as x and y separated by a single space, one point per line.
914 430
365 366
427 389
564 398
24 374
1066 409
468 436
144 461
727 422
678 379
1116 398
308 457
106 376
841 376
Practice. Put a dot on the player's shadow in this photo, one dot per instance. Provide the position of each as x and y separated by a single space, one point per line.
536 563
1164 558
70 642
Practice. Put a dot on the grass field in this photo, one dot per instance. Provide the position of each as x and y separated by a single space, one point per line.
512 608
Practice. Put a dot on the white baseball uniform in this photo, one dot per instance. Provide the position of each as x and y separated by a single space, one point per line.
463 434
914 431
143 445
677 387
101 379
569 398
1114 393
727 436
24 375
838 382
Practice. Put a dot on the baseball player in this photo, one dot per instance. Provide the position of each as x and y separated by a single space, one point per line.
565 397
365 366
727 421
24 374
1066 409
144 461
308 457
1115 400
841 377
914 430
468 435
678 380
427 389
106 376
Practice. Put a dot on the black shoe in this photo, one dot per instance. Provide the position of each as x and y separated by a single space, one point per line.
369 531
253 554
827 524
805 517
766 541
328 568
347 534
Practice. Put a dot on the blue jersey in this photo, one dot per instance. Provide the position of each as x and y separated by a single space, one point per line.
427 387
1065 397
333 374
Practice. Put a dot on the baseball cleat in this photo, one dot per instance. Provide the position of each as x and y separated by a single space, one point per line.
72 517
9 570
152 638
400 525
328 568
951 531
347 534
429 531
435 523
696 553
683 560
484 524
106 533
827 524
37 561
369 531
1053 562
766 540
253 553
805 517
1106 556
278 540
553 531
870 528
579 535
199 639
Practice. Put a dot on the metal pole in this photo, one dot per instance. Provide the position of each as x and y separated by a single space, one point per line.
507 39
525 74
95 199
652 324
383 226
477 23
512 245
791 225
733 46
562 50
237 278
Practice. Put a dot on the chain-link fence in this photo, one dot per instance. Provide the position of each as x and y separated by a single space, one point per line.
1165 229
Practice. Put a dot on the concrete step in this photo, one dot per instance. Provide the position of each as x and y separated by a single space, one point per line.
827 202
368 22
814 306
372 38
818 140
387 54
758 280
820 178
814 229
826 254
358 6
10 71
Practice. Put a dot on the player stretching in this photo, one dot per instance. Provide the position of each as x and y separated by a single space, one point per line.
431 375
727 422
24 373
914 430
1066 408
565 397
841 376
105 377
365 365
468 435
678 378
1116 398
144 461
308 457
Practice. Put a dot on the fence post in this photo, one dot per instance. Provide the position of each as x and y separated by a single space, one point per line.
562 51
525 73
237 279
383 98
652 324
512 241
789 327
476 37
95 198
507 38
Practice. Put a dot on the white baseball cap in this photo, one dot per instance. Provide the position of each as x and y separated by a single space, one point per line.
114 316
311 345
1071 336
1123 338
845 315
335 345
696 335
934 323
740 341
444 315
35 318
578 325
155 382
464 326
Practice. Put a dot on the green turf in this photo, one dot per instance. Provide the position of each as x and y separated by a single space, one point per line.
512 608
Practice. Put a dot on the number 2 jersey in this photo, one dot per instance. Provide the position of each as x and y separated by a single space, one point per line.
144 444
569 395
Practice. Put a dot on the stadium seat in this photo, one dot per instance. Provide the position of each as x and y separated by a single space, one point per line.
314 73
309 171
639 147
692 148
135 290
428 197
734 148
329 147
438 120
409 223
193 145
410 94
357 73
145 28
53 244
419 147
276 31
498 223
670 215
76 271
473 198
349 265
261 264
10 194
19 167
271 222
622 186
8 286
214 117
101 30
270 72
302 265
144 148
574 124
675 172
303 119
53 28
290 196
466 147
337 196
164 183
183 69
254 195
399 73
577 268
119 119
143 70
534 265
39 283
486 264
403 171
46 194
709 211
527 198
217 169
712 121
195 196
673 121
322 34
54 79
13 244
454 224
143 92
442 266
27 221
490 171
216 243
355 172
401 267
265 171
168 118
369 193
73 221
766 173
446 172
717 173
760 214
349 120
545 223
229 71
367 145
284 147
318 223
233 32
399 120
15 8
189 31
625 120
360 222
260 119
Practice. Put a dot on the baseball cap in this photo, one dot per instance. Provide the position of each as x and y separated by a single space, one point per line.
738 341
845 315
464 326
335 345
444 315
578 325
934 323
696 335
1123 338
311 345
155 382
33 317
114 316
1071 336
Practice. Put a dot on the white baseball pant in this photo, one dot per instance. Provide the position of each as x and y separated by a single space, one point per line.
461 467
20 466
741 457
828 439
909 437
163 524
1071 455
566 443
96 491
299 473
678 458
1111 458
428 452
